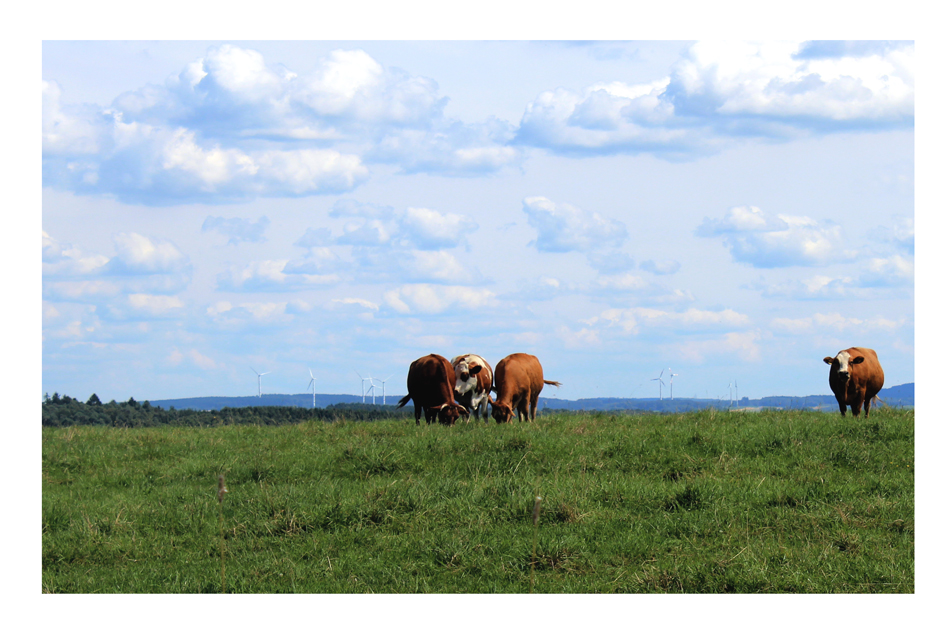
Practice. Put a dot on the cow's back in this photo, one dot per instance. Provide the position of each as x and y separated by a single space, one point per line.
429 382
517 374
869 373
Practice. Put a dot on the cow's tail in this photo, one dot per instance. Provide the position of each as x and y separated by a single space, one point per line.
403 401
552 383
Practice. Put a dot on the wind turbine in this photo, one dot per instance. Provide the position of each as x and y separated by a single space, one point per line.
662 383
259 380
672 375
383 382
313 383
365 390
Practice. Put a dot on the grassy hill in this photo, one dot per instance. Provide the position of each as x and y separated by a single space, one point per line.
702 502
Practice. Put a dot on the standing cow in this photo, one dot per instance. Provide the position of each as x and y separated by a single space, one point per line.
473 381
856 377
518 383
431 383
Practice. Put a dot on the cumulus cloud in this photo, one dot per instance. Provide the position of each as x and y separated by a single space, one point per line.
424 298
899 235
141 265
271 276
565 228
373 226
431 230
230 317
725 89
895 271
231 127
773 242
634 320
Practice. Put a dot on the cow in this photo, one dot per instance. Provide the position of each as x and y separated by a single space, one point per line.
431 387
518 383
856 377
473 383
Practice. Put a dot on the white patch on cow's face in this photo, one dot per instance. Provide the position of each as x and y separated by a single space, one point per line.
844 360
464 381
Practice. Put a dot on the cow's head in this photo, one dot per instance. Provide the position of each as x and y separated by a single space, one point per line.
841 365
448 413
502 413
464 372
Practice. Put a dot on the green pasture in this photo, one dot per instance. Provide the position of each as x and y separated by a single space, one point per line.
704 502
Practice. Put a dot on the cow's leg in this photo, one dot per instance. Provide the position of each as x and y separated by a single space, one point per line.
856 408
844 408
419 413
534 406
523 409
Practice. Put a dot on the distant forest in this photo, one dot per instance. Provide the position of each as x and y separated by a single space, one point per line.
63 410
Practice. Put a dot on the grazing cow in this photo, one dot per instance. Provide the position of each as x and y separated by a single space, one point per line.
518 383
473 380
430 384
856 377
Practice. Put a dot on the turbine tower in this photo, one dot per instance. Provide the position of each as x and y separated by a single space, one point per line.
259 380
313 384
363 389
672 375
383 382
662 383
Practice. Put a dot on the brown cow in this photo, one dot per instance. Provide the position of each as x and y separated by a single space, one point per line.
473 381
856 377
431 387
518 383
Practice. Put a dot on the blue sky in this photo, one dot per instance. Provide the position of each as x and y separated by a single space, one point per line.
731 210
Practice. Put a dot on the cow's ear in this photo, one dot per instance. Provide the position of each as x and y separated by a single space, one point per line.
829 360
473 370
858 360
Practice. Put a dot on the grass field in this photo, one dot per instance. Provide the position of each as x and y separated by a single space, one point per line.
706 502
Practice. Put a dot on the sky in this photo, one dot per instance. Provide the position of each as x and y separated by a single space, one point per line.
729 211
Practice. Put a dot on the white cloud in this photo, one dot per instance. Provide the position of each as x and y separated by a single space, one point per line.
563 227
68 130
771 79
724 89
270 275
772 242
423 298
137 254
894 271
432 230
441 267
230 127
634 320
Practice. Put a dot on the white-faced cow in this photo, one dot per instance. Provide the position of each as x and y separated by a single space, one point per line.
856 377
518 383
473 381
431 383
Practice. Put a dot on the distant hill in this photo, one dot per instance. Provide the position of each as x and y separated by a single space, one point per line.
898 396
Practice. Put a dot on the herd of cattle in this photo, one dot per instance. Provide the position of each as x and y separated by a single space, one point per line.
446 390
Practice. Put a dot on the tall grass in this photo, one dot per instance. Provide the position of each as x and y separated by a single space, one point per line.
707 502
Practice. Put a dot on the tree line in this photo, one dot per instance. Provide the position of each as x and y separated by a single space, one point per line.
63 410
